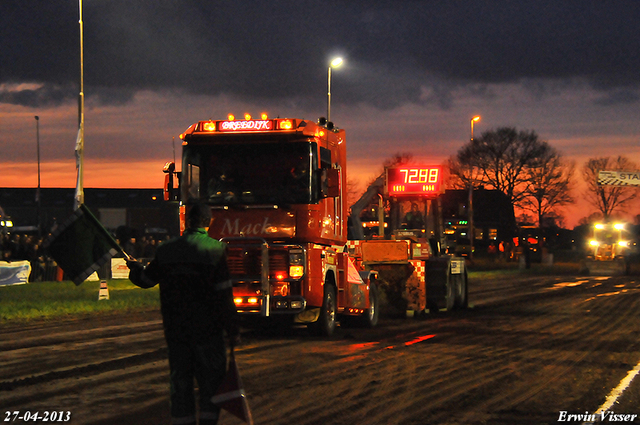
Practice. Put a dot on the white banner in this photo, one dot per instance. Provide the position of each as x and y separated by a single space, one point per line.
619 178
119 269
14 273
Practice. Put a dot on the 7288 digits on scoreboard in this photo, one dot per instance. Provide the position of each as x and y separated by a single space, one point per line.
419 180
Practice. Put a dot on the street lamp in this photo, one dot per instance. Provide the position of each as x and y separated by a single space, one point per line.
38 155
474 119
471 228
335 63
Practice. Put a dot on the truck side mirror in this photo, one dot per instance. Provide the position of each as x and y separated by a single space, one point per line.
330 183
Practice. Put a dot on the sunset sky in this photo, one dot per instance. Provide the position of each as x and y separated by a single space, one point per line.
414 74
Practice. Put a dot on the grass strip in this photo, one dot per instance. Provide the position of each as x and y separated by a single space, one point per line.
50 300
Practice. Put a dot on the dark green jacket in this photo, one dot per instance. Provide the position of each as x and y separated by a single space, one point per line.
195 290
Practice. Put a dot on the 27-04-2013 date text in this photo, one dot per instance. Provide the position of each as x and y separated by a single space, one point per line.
46 416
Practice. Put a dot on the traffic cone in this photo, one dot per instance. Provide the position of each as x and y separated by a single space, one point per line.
104 291
231 396
59 274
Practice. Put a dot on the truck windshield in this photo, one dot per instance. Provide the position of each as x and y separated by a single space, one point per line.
251 174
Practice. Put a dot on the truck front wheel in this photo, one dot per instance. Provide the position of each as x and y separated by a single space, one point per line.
326 323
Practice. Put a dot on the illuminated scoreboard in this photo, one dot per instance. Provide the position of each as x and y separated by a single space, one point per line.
414 180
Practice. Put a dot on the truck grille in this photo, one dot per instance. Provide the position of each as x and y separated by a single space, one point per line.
246 262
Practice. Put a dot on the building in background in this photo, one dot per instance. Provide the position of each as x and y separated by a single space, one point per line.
124 212
493 216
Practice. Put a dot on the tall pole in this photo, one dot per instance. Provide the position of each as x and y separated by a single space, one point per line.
329 95
334 64
79 197
472 230
38 202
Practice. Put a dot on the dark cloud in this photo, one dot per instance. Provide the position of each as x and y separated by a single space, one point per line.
394 50
619 96
47 95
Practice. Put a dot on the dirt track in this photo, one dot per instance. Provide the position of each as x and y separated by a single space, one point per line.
530 349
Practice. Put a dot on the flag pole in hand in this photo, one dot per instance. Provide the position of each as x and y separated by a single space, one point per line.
231 396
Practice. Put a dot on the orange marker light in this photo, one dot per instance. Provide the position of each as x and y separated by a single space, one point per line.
286 125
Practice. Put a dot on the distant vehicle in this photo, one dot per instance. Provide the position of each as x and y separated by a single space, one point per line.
608 247
463 247
529 239
6 224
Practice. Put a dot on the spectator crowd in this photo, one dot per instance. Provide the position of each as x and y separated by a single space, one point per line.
17 247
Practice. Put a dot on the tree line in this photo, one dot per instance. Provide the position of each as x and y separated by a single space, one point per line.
535 176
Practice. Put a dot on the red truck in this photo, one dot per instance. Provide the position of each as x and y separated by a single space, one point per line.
277 190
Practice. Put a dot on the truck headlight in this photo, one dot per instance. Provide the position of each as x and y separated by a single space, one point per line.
296 263
296 272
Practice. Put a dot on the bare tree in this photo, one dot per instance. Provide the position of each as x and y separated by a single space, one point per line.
608 199
353 190
459 174
549 184
503 158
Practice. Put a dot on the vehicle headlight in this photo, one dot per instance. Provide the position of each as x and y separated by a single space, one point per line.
296 272
296 263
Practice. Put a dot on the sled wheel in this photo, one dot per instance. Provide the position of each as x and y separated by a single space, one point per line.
451 288
461 291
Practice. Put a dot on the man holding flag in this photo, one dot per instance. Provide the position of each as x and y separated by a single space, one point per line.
197 307
195 290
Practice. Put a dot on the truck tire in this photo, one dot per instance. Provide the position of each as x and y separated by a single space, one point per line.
451 292
326 323
440 284
461 291
370 316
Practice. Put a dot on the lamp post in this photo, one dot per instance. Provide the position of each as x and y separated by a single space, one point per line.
471 228
38 203
334 64
474 119
79 195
